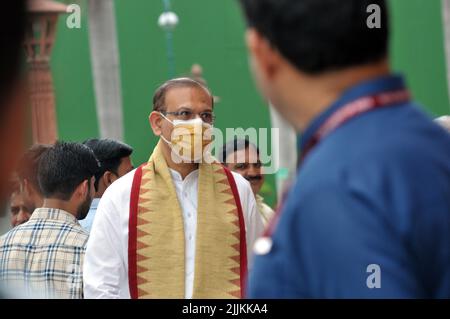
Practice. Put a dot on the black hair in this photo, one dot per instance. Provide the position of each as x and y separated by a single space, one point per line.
109 153
12 30
29 164
64 167
318 36
160 94
235 145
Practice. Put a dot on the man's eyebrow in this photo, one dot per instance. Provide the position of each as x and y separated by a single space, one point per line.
185 107
190 108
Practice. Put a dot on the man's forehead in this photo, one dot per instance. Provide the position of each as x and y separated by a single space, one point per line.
187 96
247 155
17 197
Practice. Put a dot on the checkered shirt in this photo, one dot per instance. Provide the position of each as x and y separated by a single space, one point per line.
43 258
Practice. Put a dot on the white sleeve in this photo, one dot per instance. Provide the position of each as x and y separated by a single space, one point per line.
254 225
105 271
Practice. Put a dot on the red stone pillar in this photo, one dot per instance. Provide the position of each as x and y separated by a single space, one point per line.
39 43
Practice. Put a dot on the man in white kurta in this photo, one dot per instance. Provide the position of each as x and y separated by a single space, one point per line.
106 261
106 273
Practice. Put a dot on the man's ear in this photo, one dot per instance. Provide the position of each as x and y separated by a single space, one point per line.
155 122
265 56
82 190
108 178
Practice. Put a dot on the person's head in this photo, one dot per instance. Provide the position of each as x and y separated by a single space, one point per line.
27 172
12 92
67 175
174 103
115 161
242 157
294 44
19 208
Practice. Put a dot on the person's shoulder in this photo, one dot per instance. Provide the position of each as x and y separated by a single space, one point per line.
410 144
125 181
76 237
19 236
400 138
407 129
4 238
11 234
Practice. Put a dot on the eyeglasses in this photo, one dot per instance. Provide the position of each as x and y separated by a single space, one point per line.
186 115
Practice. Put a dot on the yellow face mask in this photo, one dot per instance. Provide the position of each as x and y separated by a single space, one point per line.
190 141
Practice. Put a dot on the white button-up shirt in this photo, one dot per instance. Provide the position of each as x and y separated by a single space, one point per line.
106 261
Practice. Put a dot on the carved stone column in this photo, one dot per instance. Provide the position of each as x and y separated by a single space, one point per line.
39 42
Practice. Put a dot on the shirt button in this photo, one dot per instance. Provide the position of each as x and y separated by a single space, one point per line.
190 237
189 215
185 194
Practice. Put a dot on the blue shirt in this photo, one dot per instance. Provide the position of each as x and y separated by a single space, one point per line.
369 216
87 222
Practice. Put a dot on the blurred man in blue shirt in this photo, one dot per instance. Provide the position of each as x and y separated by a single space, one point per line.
369 216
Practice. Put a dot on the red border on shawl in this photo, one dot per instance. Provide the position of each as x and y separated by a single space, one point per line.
243 243
132 233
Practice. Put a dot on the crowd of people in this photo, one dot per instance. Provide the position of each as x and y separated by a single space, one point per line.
67 193
372 191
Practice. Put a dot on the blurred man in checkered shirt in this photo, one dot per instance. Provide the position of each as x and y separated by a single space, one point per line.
43 257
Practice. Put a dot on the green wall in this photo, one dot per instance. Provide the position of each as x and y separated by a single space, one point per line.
72 77
418 51
210 32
